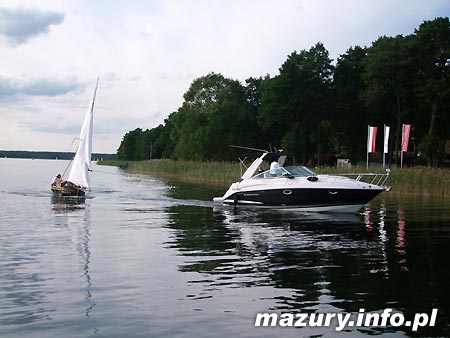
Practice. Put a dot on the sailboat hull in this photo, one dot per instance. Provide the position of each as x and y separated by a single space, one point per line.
68 192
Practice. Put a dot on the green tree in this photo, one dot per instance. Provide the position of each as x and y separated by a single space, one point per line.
388 84
350 113
212 117
152 143
128 149
432 44
294 102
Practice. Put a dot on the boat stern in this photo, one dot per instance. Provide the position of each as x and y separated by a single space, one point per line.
231 190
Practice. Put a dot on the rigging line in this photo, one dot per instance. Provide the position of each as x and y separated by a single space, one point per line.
68 166
64 173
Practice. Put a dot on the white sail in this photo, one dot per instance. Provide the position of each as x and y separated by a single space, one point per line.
81 164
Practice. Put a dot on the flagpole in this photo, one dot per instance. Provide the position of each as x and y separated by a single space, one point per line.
384 147
368 139
401 148
406 129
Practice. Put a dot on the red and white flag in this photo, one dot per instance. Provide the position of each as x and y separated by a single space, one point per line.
406 130
386 138
371 139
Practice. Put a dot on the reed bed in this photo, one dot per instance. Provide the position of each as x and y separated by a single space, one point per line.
416 181
213 173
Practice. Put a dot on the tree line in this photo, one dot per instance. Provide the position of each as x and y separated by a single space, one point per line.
315 107
50 155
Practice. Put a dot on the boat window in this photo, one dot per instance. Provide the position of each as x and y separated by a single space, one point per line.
272 173
300 171
296 171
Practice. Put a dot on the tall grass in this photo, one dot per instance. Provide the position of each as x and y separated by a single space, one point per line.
418 181
214 173
116 163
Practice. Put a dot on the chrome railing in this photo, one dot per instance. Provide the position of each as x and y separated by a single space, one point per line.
371 178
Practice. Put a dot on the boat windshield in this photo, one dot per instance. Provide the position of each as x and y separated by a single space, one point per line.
300 171
293 171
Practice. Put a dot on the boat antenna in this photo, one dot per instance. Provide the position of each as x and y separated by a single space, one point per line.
249 148
242 163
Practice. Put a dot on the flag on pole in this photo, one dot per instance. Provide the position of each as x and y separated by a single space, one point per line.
406 130
386 138
371 139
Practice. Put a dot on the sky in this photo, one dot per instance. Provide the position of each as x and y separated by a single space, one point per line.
147 53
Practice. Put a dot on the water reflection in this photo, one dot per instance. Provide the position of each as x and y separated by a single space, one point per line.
401 242
36 269
76 218
326 262
375 224
23 284
22 299
60 203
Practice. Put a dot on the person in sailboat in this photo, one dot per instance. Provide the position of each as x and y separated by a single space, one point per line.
57 181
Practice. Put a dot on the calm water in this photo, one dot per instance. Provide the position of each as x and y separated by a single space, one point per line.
145 258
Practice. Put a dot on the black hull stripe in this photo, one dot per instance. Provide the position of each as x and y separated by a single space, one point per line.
306 197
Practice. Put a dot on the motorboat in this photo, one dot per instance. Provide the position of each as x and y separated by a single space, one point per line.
299 188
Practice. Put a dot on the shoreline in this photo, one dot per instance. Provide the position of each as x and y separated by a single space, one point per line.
417 181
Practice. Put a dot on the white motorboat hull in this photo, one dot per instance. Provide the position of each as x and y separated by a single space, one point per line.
303 199
350 208
326 194
298 188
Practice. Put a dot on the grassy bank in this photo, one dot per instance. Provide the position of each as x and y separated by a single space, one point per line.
214 173
419 181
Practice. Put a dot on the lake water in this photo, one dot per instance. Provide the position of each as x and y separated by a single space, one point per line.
142 257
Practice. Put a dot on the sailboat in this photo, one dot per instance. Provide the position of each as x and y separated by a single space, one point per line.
78 182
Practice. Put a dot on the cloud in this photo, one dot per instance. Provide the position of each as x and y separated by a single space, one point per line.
19 25
175 76
113 125
52 128
11 88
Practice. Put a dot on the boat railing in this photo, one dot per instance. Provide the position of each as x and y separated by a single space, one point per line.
371 178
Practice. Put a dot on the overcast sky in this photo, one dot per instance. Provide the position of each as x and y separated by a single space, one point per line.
148 52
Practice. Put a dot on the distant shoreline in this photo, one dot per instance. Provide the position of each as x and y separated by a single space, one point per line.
50 155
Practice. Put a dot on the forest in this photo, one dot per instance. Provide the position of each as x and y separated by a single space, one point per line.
315 106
